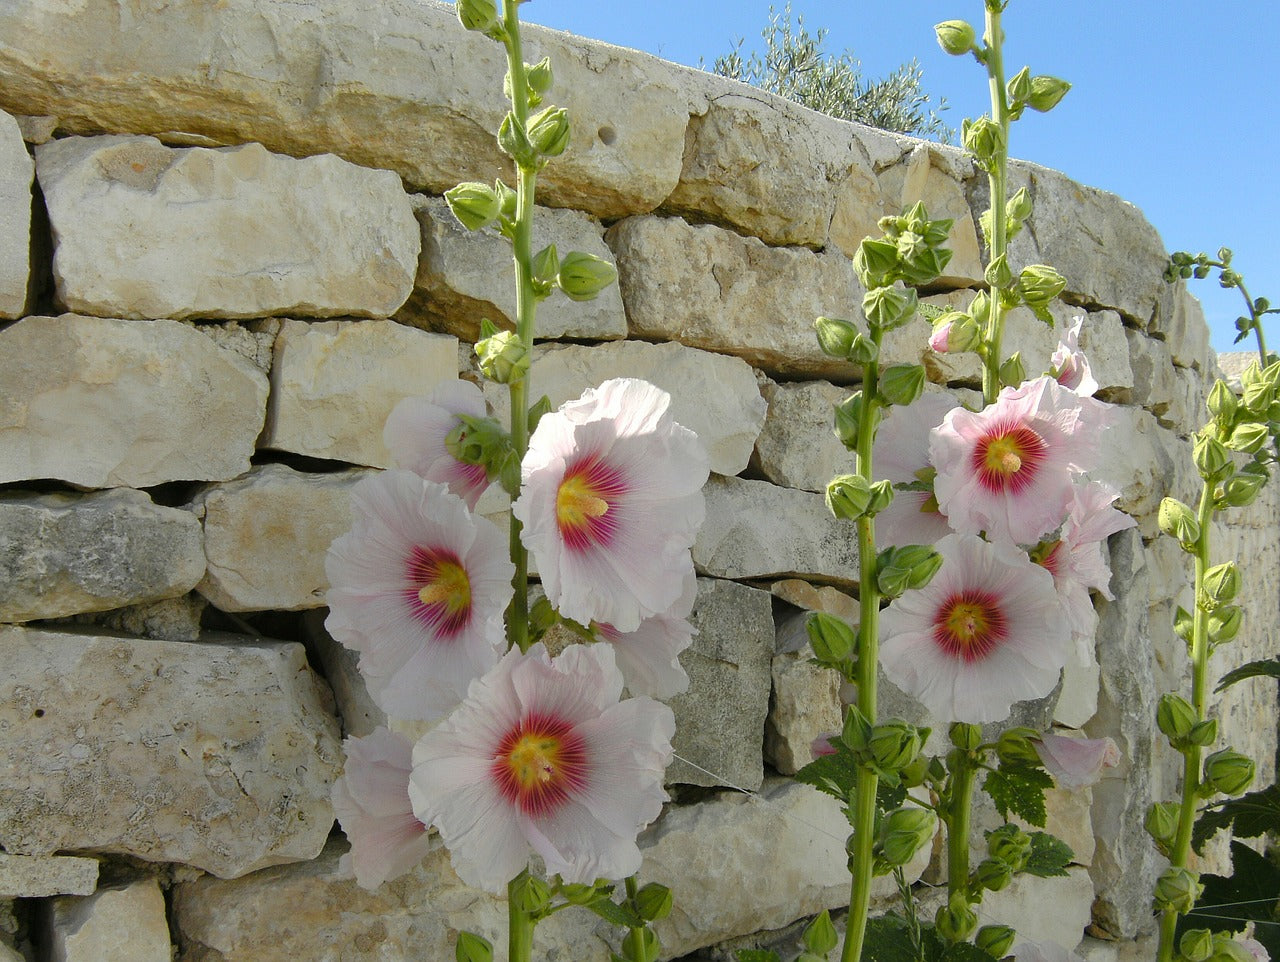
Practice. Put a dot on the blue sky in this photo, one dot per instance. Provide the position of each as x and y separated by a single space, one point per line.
1174 105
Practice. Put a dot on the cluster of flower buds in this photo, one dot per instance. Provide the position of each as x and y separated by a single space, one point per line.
903 833
1204 945
892 749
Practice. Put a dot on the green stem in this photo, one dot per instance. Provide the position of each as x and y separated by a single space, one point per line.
962 779
1181 849
997 179
519 928
635 936
1257 323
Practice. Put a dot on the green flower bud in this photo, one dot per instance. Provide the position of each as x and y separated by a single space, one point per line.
653 902
1011 845
1203 733
1177 890
965 736
480 15
980 308
983 138
820 935
1242 489
881 497
905 568
914 774
902 384
889 307
847 415
835 336
831 638
998 274
583 276
955 333
1221 584
1040 284
995 940
847 496
1014 746
1012 373
503 357
856 733
955 922
1018 208
1224 624
513 138
1175 717
1046 93
1248 437
472 947
1222 403
508 199
1196 945
874 262
1178 521
1228 772
904 832
474 205
575 893
546 265
549 131
530 894
539 76
1212 459
1183 624
1161 822
863 350
893 746
1019 87
956 37
1258 397
993 874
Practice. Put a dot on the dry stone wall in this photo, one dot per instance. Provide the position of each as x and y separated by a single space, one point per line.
226 258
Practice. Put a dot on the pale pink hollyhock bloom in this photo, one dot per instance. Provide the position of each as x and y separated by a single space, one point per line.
1256 949
821 745
542 756
1076 762
1070 366
938 339
986 632
611 503
371 800
419 587
649 657
901 455
1007 470
1042 952
416 431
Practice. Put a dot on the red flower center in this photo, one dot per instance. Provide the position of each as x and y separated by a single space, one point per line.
439 591
539 764
1008 457
586 504
970 625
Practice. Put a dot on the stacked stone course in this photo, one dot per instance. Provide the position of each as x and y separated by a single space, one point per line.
225 260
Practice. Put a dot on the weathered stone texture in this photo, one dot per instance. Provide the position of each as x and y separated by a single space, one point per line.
464 276
708 287
1024 903
218 755
33 876
1146 463
1179 321
277 235
64 554
266 535
111 403
16 174
316 912
796 447
805 704
333 383
119 924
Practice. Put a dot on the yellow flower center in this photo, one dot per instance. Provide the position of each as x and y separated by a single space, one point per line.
448 586
578 501
967 622
533 760
1004 455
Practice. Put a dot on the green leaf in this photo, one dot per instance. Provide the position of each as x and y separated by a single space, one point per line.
1232 901
834 774
964 952
616 914
931 312
757 955
1019 789
889 797
1269 668
887 940
1248 816
1049 856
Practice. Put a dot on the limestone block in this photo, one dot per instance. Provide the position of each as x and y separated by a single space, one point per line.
109 403
118 924
142 230
253 340
765 167
1078 700
16 175
711 394
720 719
796 447
755 529
218 755
464 276
1104 246
1100 950
1155 383
266 535
356 709
1146 463
860 198
1179 321
32 876
814 598
1022 905
1233 364
805 704
314 911
173 619
708 287
333 383
738 864
36 129
63 554
401 87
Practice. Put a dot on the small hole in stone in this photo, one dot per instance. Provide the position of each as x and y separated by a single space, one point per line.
607 136
38 713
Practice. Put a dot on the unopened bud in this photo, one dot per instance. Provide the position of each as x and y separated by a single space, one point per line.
955 922
955 333
1012 373
1196 945
995 940
902 384
473 948
848 496
983 138
835 336
1011 845
549 131
1040 284
847 415
1222 403
874 262
820 935
1228 771
831 638
1018 207
1203 733
881 497
1178 521
583 276
478 15
1248 437
653 902
909 567
993 874
1224 624
474 205
998 273
1015 746
1221 584
889 307
1177 890
965 736
1019 86
893 745
956 37
1212 459
904 832
503 357
539 76
1161 822
1046 93
1175 717
530 894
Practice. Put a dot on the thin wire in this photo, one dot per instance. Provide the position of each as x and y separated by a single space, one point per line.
1227 905
1230 918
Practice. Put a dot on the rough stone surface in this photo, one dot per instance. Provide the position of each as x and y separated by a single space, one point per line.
118 924
1024 903
1155 382
340 665
16 175
64 554
801 594
173 619
796 447
1179 322
32 876
317 237
333 383
720 719
316 912
253 340
402 87
714 395
755 529
464 276
1146 463
266 534
708 287
219 755
110 403
804 705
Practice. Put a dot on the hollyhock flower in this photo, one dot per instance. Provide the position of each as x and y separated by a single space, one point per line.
1069 365
543 756
1076 762
1006 470
985 632
371 800
901 455
1256 949
821 745
419 587
649 657
416 431
611 503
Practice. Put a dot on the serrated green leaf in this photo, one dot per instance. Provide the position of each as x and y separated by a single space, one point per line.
834 774
930 312
1248 816
887 940
757 955
1019 789
1269 668
889 797
1049 856
616 914
1232 901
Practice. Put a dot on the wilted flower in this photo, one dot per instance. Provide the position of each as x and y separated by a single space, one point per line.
543 756
419 587
1069 365
985 632
611 503
416 431
649 657
371 800
901 454
1076 762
